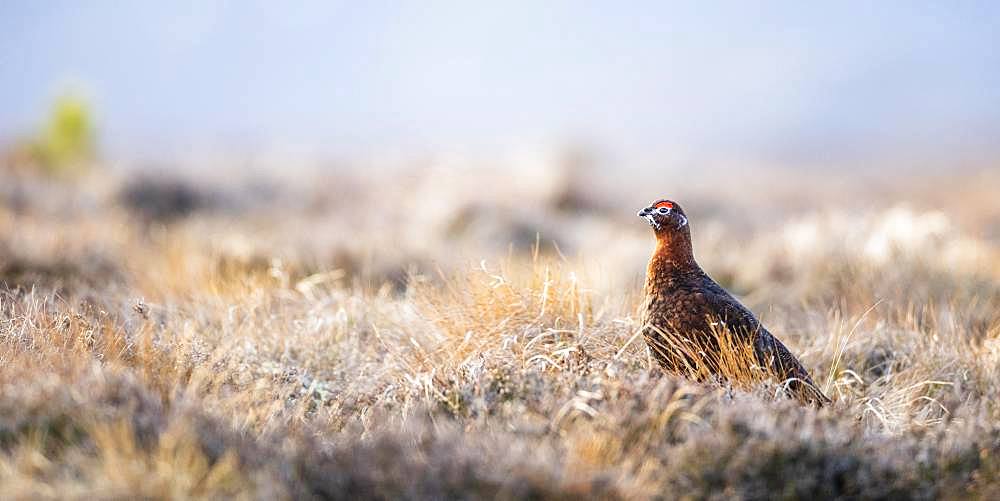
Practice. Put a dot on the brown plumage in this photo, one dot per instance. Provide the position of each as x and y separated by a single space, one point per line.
685 312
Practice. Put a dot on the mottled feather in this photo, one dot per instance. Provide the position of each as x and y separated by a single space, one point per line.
683 303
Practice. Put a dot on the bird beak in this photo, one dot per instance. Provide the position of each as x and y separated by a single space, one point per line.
647 213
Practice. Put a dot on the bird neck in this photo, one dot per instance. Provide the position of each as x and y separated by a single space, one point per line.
673 254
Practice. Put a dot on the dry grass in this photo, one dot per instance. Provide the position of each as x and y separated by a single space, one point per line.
295 352
732 360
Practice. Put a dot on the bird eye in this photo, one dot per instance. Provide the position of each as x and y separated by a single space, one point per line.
663 210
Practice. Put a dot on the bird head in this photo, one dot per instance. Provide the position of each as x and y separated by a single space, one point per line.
665 216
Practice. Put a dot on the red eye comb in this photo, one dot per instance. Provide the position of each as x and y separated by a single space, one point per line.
668 205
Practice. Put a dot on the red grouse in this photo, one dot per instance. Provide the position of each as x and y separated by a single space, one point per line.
686 314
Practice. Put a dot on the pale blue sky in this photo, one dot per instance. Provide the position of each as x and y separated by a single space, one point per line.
787 80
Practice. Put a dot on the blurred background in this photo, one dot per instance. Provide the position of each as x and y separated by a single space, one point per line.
310 249
647 84
432 129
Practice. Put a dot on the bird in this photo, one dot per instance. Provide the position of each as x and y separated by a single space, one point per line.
687 316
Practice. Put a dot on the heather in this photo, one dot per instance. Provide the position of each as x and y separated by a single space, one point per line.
407 333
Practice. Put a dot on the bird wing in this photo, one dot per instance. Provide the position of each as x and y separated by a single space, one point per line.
768 349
